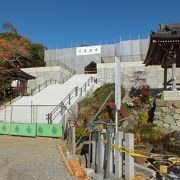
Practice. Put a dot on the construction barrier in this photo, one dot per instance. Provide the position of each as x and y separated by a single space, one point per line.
5 128
49 130
18 129
31 130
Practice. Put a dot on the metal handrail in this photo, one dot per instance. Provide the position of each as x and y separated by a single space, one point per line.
43 85
63 102
33 91
66 67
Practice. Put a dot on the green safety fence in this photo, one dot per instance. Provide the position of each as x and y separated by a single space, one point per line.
49 130
21 129
5 128
33 130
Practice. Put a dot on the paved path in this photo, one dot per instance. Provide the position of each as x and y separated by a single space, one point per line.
24 158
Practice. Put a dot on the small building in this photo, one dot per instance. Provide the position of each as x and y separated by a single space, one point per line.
20 80
164 50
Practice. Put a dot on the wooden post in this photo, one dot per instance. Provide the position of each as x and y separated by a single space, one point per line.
174 72
165 78
73 140
89 158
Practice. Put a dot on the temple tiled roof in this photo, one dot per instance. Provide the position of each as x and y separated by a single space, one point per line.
162 43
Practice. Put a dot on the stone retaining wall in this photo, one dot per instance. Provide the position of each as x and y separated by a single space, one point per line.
134 73
167 114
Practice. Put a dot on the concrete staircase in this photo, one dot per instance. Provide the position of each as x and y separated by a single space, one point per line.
46 106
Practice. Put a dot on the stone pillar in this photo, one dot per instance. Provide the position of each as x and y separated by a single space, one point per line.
174 72
165 78
93 154
102 149
108 158
118 155
129 160
98 153
111 160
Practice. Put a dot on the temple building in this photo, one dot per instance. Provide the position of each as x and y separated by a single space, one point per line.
164 50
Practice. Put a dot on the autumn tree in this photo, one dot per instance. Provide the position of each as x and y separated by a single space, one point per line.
14 51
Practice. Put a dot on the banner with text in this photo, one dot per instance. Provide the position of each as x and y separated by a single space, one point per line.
88 50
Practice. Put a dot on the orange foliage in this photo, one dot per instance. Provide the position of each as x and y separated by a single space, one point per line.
13 50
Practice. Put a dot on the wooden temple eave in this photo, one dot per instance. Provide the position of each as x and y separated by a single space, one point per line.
164 50
165 41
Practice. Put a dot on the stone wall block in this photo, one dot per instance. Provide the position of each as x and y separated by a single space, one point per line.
159 123
176 116
167 103
165 109
177 111
176 104
169 120
158 109
175 128
157 113
160 103
172 111
166 126
178 123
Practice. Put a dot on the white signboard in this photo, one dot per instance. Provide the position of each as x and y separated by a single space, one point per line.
88 50
117 83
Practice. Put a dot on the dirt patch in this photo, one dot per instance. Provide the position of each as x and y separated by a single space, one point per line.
24 158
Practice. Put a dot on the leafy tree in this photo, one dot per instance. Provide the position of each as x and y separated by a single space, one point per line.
37 51
17 50
9 27
14 51
5 86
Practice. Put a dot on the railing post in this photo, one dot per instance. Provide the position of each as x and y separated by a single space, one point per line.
76 91
5 114
46 83
31 112
81 91
11 113
39 88
85 87
69 99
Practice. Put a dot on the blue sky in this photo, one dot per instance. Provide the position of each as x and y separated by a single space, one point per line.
65 23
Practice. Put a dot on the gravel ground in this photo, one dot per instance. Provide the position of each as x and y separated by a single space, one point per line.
24 158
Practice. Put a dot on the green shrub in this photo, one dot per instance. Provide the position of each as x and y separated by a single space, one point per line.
143 118
147 133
